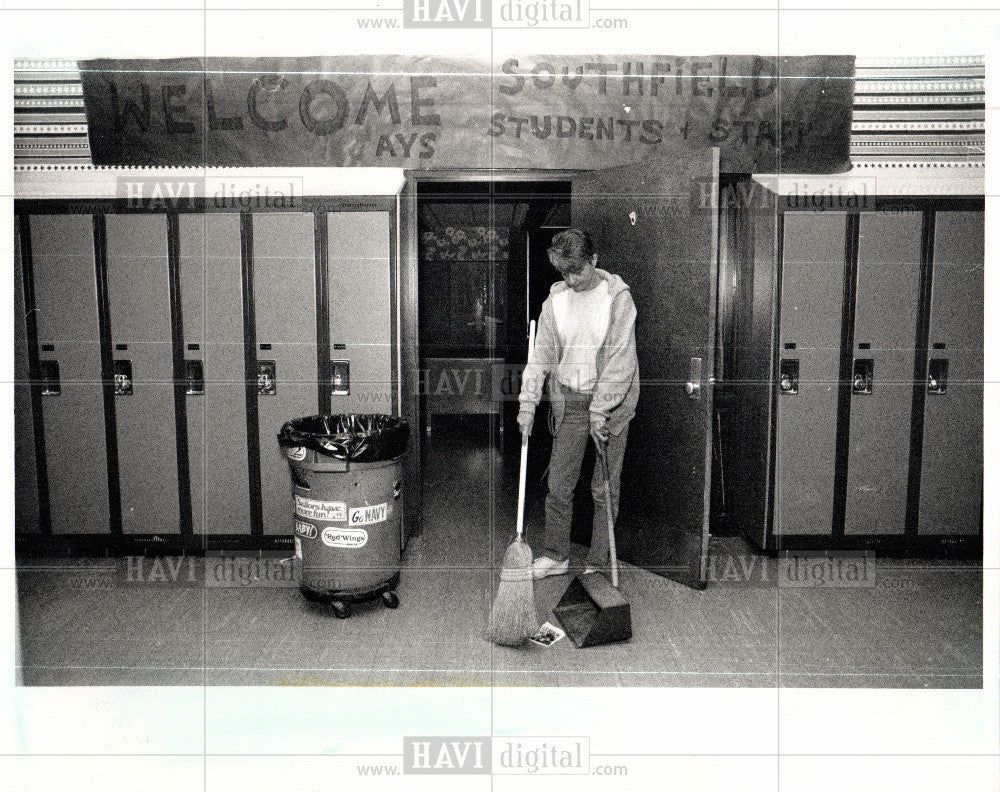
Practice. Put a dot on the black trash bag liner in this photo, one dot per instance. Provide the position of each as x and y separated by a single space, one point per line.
355 437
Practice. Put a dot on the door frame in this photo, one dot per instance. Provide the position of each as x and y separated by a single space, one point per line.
408 290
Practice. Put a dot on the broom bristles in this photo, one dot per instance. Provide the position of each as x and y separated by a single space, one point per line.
513 618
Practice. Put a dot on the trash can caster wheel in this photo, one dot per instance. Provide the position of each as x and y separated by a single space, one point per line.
390 600
342 610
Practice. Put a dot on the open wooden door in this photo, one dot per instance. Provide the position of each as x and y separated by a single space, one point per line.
656 225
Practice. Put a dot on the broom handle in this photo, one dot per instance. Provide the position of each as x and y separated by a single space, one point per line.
520 488
602 453
523 474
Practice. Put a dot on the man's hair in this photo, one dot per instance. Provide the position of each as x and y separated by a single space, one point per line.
570 250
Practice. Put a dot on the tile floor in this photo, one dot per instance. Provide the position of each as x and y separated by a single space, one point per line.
85 622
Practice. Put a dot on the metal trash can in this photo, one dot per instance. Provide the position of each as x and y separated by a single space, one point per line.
347 495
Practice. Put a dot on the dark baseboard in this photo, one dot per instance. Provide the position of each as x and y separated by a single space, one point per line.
958 548
104 545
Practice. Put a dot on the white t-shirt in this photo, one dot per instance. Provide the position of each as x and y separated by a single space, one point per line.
582 320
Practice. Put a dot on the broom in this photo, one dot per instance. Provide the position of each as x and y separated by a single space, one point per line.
513 618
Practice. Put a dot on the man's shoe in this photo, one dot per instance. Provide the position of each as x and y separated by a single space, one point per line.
545 566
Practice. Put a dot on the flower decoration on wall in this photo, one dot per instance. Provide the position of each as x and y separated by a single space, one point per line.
471 243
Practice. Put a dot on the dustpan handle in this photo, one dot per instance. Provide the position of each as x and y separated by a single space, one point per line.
523 474
612 549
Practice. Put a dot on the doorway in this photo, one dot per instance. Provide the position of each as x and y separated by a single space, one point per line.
482 275
657 225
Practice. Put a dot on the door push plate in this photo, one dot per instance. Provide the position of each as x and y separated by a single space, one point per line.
123 378
861 381
937 376
693 386
788 376
267 378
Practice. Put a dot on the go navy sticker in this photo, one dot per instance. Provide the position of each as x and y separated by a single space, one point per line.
367 515
345 537
320 510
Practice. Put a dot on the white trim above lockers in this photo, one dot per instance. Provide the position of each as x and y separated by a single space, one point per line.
96 182
885 178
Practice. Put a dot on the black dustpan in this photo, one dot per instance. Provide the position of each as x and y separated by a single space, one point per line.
592 610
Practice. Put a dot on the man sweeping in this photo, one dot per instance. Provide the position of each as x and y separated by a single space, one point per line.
585 346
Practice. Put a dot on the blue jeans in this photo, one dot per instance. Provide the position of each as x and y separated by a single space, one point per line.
568 447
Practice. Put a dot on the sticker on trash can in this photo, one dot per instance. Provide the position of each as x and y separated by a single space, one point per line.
298 453
305 529
320 510
367 515
345 537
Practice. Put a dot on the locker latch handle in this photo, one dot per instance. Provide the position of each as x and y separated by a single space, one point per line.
123 378
267 378
194 377
937 376
340 377
788 376
49 375
864 369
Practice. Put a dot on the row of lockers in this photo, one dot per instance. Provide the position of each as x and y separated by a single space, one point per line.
157 356
877 422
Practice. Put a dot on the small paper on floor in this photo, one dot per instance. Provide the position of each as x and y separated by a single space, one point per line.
547 635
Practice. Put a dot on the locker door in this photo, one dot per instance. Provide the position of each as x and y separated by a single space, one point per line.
361 313
951 478
27 518
812 295
284 289
139 314
62 248
885 331
212 308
